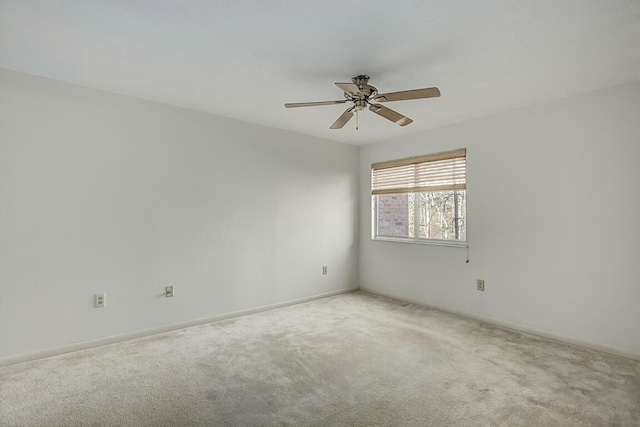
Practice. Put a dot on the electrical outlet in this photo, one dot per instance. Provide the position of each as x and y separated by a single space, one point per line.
480 285
325 269
101 300
168 291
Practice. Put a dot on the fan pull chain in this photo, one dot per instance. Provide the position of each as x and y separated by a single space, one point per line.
357 122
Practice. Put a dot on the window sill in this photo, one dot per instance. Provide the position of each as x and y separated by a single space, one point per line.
433 242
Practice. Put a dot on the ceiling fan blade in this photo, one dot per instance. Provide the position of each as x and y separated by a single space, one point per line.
343 119
313 104
350 89
389 114
430 92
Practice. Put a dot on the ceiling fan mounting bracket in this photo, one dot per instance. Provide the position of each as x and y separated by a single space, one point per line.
362 79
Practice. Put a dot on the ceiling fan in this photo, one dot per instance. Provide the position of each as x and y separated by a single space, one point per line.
361 93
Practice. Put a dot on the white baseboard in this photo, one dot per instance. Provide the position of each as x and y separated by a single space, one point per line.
519 328
176 326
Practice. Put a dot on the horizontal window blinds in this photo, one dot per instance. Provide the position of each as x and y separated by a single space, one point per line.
435 172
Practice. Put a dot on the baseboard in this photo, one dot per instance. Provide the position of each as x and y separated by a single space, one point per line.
519 328
26 357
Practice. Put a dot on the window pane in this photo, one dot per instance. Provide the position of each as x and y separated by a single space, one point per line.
442 215
411 197
395 215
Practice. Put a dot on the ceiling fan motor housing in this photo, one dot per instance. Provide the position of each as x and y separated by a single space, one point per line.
362 81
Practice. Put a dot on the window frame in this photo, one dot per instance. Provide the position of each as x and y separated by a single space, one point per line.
416 206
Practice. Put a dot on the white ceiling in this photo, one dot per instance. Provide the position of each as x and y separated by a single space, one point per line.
246 58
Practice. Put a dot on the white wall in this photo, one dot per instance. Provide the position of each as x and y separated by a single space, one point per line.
101 192
553 220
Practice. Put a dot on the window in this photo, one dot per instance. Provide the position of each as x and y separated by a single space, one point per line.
421 199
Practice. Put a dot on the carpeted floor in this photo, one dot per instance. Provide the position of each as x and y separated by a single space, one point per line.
349 360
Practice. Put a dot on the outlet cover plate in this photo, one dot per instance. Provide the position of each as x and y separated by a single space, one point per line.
480 285
101 300
168 291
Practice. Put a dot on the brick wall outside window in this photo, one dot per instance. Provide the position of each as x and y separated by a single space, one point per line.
393 215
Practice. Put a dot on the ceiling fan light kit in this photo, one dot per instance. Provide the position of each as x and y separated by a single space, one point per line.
361 94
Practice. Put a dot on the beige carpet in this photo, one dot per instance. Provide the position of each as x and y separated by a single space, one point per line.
350 360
